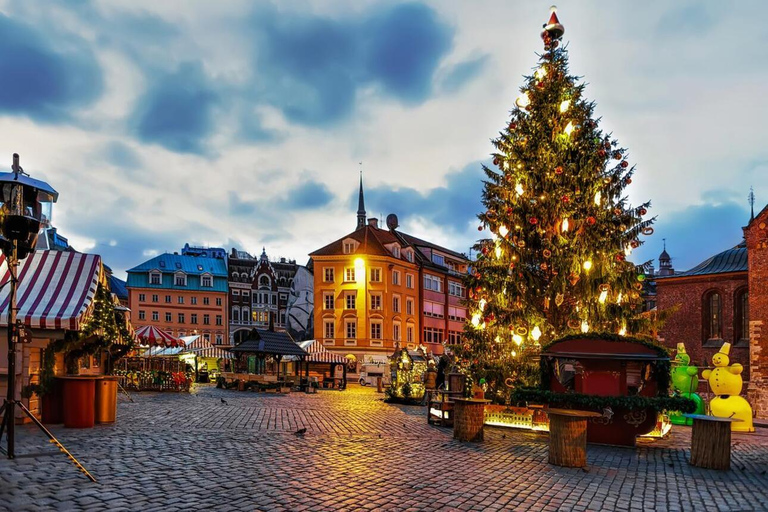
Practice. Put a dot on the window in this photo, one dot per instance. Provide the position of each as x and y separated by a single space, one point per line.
409 280
193 318
155 316
168 299
434 309
181 318
349 247
155 278
181 299
236 293
409 256
206 319
409 334
329 329
180 279
219 339
396 331
142 297
454 337
193 301
396 277
142 315
219 320
351 329
432 335
350 301
713 316
218 301
433 283
246 295
741 315
438 260
455 289
409 306
396 303
207 337
375 275
457 314
206 281
375 301
274 300
155 298
328 274
328 300
396 251
349 274
206 301
264 282
375 330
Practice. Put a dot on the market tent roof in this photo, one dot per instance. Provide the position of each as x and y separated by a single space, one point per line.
262 341
318 354
151 335
202 348
55 291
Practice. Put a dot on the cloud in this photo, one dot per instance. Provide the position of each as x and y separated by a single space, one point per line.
121 155
462 73
43 79
691 19
176 112
309 195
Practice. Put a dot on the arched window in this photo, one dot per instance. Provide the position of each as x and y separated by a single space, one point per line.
713 316
264 281
235 315
741 315
246 316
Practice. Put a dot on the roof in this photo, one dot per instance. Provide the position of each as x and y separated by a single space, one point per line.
198 346
262 341
55 291
318 353
190 265
732 260
118 287
373 240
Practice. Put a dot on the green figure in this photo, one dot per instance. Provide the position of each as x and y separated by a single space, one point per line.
685 381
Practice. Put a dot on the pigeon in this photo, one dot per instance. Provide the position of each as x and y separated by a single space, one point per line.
224 402
503 436
380 438
169 412
300 432
586 470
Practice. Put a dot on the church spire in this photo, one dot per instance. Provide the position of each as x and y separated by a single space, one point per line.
751 199
361 203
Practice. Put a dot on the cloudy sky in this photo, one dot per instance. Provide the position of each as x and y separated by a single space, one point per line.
244 123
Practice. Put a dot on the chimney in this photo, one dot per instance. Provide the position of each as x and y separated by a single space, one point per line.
373 221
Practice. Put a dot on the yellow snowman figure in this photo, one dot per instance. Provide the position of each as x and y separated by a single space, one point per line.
726 382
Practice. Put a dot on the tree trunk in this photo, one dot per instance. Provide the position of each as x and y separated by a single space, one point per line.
711 444
567 441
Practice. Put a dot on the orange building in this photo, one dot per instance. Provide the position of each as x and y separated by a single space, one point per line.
377 288
182 295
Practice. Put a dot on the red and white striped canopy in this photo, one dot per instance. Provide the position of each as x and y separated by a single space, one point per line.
202 348
152 336
55 290
318 353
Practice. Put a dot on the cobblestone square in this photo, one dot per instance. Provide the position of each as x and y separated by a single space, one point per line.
193 452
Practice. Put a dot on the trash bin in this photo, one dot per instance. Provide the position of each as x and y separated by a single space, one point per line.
79 398
106 399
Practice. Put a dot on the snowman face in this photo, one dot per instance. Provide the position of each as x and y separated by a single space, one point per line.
720 359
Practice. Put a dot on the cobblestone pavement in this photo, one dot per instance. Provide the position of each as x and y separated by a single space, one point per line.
192 452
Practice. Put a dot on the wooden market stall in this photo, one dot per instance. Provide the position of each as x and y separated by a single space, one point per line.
156 365
258 358
322 364
205 358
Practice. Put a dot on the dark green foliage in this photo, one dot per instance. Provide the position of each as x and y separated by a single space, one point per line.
580 401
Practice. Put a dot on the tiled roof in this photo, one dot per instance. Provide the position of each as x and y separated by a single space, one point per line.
269 342
732 260
191 265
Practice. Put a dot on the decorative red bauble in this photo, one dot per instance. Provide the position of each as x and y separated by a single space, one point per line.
480 228
539 84
635 244
624 164
479 288
643 211
512 126
617 155
544 266
485 250
533 220
547 253
566 198
607 144
509 211
620 257
591 220
628 181
559 169
601 153
495 161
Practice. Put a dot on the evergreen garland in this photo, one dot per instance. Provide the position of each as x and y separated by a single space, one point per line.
582 401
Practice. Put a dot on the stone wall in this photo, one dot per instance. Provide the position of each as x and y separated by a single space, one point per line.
756 234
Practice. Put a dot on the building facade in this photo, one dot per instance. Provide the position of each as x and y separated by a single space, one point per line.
375 289
258 291
182 295
725 299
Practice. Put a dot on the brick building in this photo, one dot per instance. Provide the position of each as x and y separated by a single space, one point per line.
724 299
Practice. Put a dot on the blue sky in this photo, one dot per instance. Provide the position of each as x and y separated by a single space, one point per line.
243 123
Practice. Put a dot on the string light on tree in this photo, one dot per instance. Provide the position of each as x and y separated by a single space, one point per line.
561 229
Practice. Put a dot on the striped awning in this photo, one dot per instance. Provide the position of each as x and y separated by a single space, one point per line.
152 336
55 291
318 354
201 348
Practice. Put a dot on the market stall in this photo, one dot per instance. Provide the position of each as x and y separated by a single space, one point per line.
330 369
156 365
258 360
206 359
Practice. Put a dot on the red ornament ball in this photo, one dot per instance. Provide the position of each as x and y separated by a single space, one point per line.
643 211
628 181
540 84
495 161
480 228
635 244
620 257
617 155
559 169
607 144
591 220
512 126
601 153
533 220
566 198
624 164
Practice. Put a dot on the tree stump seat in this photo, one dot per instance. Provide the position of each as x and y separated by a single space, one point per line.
711 441
568 437
469 418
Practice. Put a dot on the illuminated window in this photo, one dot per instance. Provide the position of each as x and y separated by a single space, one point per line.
375 275
396 303
375 330
349 274
350 301
328 275
328 300
375 301
351 326
329 329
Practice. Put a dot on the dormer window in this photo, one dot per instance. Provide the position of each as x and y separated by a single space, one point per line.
396 251
206 281
349 246
438 260
178 264
155 278
180 279
409 255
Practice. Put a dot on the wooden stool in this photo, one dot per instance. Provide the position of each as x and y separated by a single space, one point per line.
469 417
568 437
711 441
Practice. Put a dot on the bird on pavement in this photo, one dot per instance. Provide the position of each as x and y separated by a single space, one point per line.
300 432
224 401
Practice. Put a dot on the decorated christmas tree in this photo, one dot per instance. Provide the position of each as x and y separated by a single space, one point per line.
560 227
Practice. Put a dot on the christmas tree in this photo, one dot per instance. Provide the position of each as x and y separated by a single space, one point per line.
561 229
